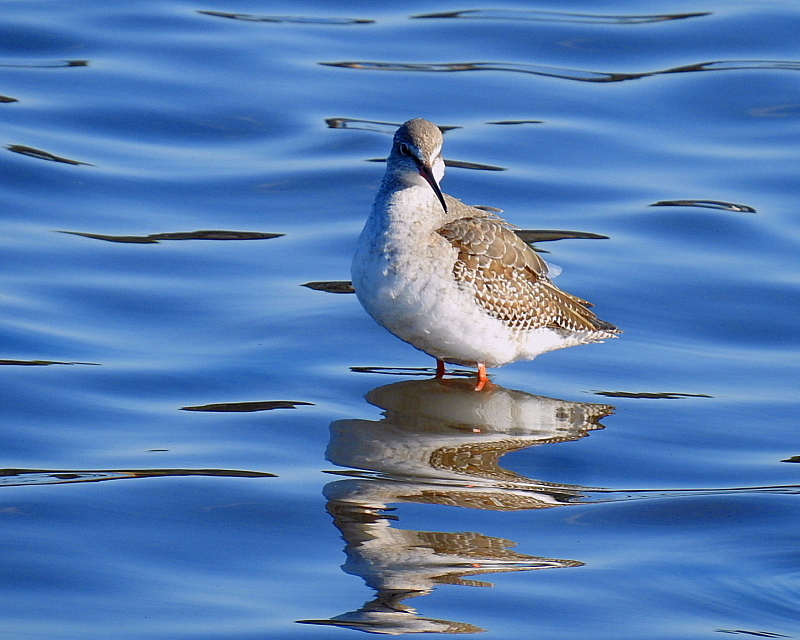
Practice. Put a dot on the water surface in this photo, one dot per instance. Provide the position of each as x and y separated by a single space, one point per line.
197 446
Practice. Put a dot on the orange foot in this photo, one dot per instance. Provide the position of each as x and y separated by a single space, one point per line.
482 379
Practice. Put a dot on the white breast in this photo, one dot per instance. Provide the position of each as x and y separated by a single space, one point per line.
403 276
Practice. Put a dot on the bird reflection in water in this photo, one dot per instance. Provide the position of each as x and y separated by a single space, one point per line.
440 442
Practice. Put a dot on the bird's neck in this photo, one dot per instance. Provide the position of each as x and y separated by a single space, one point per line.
406 202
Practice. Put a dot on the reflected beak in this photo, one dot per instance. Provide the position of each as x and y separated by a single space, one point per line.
426 172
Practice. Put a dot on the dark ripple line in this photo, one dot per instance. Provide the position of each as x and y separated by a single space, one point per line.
568 74
759 634
459 164
40 363
373 125
248 17
661 395
620 495
330 286
57 64
247 407
43 155
559 16
29 477
155 238
707 204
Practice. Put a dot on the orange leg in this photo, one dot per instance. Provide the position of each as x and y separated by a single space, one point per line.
483 379
440 369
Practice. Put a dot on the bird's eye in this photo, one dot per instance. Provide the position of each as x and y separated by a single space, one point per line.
404 149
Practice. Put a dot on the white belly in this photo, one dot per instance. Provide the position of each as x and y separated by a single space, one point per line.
414 294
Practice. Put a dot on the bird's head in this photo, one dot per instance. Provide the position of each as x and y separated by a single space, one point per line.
417 155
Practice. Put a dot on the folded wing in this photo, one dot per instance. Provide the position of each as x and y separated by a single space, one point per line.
510 280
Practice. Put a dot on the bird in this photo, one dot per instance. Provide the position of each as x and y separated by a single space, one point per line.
453 280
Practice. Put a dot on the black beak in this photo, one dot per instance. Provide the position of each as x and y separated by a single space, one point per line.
426 172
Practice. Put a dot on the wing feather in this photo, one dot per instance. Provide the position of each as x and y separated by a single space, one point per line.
509 279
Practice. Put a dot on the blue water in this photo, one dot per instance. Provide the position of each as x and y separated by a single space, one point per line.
126 515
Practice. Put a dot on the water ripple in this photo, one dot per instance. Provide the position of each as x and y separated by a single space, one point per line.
28 477
620 495
569 74
246 407
459 164
330 286
372 125
707 204
549 235
44 64
292 19
39 363
760 634
663 395
558 16
43 155
516 122
155 238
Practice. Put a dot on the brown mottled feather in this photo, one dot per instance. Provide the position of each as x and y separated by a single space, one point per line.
510 280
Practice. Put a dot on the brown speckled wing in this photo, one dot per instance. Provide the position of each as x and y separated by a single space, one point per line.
510 280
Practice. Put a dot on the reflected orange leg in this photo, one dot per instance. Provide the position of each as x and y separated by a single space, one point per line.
483 379
440 369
